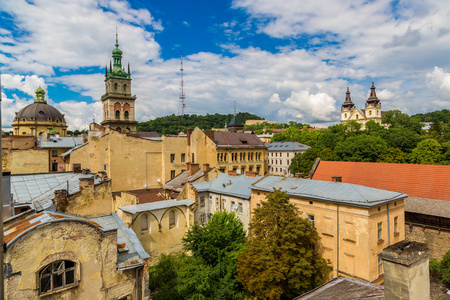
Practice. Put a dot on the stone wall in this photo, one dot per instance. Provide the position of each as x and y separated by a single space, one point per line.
438 240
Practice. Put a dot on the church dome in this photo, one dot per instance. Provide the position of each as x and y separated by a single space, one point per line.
39 111
117 51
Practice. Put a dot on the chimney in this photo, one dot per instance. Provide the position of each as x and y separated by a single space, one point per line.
336 178
85 171
188 132
193 169
86 182
232 173
406 271
60 200
251 174
210 134
205 167
102 174
299 175
76 168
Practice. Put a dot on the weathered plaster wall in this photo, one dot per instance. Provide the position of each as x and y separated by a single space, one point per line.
95 254
25 161
438 240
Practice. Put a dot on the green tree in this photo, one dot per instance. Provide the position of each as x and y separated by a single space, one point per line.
397 119
303 162
360 148
372 126
280 261
445 267
427 152
392 155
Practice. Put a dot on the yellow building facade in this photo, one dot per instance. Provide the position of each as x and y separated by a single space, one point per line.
355 223
39 118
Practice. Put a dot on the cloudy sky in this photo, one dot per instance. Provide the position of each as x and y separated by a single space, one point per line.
282 60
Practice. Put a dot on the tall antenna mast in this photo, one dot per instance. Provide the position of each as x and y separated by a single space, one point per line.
181 105
234 107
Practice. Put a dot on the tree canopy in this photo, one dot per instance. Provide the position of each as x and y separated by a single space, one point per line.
280 261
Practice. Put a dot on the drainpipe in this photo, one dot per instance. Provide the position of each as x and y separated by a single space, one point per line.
389 226
137 283
337 249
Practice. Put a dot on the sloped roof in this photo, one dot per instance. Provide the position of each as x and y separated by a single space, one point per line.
38 189
237 186
343 288
181 179
287 146
61 142
134 209
421 181
336 192
148 134
145 195
130 251
236 139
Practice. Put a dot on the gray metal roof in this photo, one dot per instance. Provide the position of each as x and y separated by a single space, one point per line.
70 150
336 192
130 251
60 142
180 180
287 146
237 186
132 254
38 189
134 209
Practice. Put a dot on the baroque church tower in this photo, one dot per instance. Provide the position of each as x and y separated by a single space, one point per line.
118 103
372 109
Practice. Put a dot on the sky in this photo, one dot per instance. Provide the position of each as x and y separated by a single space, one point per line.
281 60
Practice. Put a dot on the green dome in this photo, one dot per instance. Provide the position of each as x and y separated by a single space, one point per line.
117 51
40 90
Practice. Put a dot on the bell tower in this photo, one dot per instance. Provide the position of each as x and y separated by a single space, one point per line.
118 103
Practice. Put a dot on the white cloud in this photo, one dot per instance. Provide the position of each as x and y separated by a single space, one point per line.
27 84
275 98
313 107
439 82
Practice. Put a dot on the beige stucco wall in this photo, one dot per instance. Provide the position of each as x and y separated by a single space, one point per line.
25 161
370 113
358 243
34 128
95 254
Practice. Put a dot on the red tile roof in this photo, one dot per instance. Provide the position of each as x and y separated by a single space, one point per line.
421 181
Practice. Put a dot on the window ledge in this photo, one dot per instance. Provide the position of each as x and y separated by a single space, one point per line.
327 234
349 240
380 241
396 233
58 290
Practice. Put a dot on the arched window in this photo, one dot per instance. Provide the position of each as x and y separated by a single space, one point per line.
124 87
370 112
115 86
117 114
172 219
144 223
357 117
57 275
345 115
126 114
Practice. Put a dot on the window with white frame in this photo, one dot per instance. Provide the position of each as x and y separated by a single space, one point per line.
240 208
217 203
202 201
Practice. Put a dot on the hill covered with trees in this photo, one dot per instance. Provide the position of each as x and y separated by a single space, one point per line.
173 124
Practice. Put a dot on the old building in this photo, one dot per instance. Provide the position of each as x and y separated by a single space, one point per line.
427 208
227 150
372 110
39 118
118 102
281 154
230 192
160 226
132 163
70 257
355 222
55 146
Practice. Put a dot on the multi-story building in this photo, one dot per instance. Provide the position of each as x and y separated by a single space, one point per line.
230 192
355 222
372 110
281 154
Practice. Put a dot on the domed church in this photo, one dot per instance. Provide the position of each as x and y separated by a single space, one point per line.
38 118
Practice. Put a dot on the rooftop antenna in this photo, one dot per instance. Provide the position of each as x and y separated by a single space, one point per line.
234 107
182 105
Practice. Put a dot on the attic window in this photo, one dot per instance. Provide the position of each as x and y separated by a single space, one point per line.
243 140
41 112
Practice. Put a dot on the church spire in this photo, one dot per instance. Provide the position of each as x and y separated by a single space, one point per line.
348 101
373 96
117 55
116 69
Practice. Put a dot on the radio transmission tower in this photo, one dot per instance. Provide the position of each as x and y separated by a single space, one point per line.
181 105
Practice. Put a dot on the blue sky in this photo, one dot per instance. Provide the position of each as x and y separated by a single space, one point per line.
282 60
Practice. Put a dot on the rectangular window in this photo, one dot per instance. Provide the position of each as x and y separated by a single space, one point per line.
240 208
224 203
287 154
243 170
311 220
172 174
105 167
54 153
380 230
202 201
380 266
233 206
210 201
395 224
172 158
183 157
203 218
217 203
